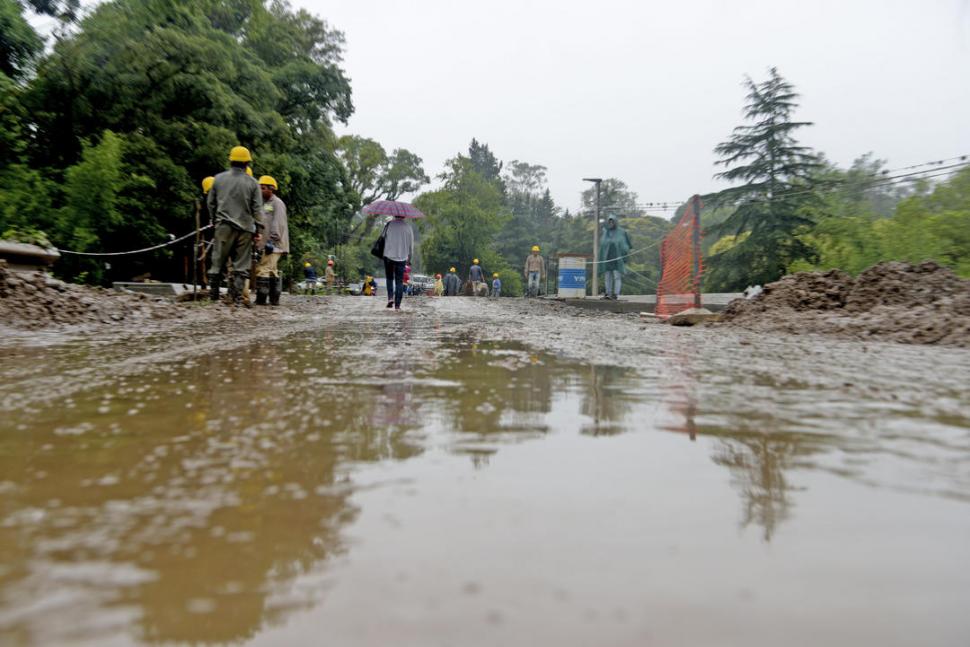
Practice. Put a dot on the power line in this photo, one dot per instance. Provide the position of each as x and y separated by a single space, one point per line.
875 182
961 158
673 205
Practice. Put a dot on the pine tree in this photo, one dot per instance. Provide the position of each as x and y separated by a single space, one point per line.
485 163
777 176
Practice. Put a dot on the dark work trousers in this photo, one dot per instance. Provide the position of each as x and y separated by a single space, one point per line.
233 245
394 271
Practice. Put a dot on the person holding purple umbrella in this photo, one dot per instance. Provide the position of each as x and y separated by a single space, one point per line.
398 247
395 245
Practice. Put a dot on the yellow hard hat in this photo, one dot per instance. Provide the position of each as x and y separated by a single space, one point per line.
452 270
207 184
535 248
240 154
475 261
307 264
495 275
249 171
268 181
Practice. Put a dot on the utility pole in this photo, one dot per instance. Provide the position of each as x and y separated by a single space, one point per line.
696 249
596 235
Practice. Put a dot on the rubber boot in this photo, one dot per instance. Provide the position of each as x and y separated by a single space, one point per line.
233 293
262 289
236 286
215 282
275 290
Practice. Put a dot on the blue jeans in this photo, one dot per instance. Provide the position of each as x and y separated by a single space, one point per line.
614 281
394 271
533 283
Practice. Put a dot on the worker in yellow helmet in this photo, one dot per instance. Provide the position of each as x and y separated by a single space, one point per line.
309 278
496 286
276 242
452 283
476 276
234 203
535 272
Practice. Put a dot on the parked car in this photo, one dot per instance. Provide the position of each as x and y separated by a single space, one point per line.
421 284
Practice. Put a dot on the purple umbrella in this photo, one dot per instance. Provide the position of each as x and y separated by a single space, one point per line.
392 208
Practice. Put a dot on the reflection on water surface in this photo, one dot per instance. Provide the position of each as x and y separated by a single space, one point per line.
230 497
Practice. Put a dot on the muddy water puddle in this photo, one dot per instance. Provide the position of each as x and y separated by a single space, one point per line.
312 491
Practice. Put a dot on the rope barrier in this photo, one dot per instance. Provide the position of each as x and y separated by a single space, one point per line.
136 251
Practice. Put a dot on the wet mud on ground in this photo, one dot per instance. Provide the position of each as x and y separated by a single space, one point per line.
473 472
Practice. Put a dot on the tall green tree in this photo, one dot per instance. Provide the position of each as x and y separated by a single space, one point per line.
64 10
616 198
932 224
178 84
19 43
464 216
485 163
533 213
373 175
370 175
776 175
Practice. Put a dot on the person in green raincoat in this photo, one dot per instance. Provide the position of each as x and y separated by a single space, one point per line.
614 247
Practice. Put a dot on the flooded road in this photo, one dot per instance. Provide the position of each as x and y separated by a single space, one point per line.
472 473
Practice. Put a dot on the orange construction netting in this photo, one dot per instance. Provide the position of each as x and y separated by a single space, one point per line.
681 264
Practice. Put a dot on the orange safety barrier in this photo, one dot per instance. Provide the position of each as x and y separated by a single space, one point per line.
681 264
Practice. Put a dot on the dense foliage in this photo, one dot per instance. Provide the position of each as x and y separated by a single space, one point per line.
107 142
776 178
853 233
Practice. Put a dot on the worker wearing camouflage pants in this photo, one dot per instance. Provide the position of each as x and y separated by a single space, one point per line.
234 202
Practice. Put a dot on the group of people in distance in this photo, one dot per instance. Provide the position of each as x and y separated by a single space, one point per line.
311 281
450 285
247 216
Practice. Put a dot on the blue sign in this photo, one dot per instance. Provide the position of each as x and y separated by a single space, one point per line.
572 279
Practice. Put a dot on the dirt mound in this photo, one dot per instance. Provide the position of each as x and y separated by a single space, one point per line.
35 300
893 301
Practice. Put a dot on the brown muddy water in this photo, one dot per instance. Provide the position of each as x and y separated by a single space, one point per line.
481 474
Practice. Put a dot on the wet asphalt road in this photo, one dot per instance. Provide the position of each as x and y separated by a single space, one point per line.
473 472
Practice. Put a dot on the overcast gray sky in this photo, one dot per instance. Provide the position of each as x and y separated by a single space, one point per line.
643 91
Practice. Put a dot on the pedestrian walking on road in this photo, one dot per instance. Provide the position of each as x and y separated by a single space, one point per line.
235 204
614 248
476 276
535 271
309 278
398 247
496 286
330 278
276 243
439 286
452 283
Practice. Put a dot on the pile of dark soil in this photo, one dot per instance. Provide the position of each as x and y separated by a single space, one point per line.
893 301
35 300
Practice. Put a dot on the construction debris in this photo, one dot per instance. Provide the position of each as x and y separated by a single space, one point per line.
691 317
35 300
892 301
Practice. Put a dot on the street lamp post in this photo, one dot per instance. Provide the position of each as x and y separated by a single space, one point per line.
596 235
